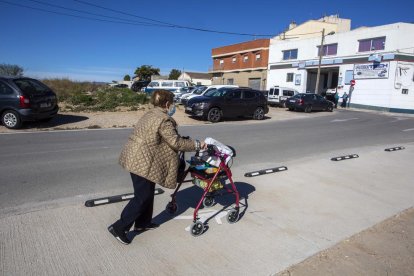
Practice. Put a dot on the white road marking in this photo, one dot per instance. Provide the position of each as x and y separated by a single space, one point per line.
397 119
408 129
64 130
343 120
127 196
101 201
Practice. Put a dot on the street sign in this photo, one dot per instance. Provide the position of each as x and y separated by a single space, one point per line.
352 82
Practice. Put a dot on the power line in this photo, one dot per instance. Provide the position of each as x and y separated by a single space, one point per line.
172 25
85 12
83 17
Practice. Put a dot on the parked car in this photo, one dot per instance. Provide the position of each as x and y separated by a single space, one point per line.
171 85
278 95
25 99
309 102
139 85
228 102
201 91
182 91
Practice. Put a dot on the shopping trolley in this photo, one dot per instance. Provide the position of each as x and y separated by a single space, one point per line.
209 170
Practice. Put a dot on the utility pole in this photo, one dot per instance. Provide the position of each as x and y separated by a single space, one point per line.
319 64
320 60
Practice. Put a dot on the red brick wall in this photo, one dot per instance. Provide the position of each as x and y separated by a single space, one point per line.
240 64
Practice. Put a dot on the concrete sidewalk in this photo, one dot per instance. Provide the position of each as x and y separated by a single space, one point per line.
289 216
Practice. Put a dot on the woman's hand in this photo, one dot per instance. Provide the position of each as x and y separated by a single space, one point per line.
203 145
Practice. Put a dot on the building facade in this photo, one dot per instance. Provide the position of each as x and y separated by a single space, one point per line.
243 64
196 78
380 60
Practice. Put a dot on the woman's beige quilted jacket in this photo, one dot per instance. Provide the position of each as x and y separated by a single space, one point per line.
152 149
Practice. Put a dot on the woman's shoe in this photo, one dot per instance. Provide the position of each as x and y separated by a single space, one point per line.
119 236
150 226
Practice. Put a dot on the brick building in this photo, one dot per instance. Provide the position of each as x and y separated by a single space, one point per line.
243 64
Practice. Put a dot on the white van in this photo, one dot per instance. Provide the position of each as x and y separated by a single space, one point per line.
171 85
278 95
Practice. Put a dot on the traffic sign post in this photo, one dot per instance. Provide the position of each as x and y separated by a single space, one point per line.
351 88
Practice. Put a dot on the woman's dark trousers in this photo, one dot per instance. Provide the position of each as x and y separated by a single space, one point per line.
139 209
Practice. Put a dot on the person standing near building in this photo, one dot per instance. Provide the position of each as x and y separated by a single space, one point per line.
336 99
344 100
151 156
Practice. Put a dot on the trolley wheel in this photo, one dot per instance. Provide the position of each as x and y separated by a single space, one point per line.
171 208
232 216
208 201
197 228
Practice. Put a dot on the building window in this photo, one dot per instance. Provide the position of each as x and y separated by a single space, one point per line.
258 56
329 49
289 77
233 60
405 91
372 44
349 75
221 62
230 81
245 58
290 54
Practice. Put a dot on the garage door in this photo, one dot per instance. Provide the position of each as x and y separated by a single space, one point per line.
254 83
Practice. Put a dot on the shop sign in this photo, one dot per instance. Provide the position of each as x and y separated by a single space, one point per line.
375 70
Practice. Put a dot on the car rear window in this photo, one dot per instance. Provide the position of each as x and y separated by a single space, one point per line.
5 89
247 94
288 93
28 86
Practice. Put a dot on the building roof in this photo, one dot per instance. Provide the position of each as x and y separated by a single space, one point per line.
198 75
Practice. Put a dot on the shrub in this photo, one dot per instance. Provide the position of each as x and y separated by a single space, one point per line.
84 96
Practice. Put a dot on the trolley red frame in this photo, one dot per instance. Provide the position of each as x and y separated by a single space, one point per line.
223 169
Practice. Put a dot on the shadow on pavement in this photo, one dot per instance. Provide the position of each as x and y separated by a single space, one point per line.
188 198
58 120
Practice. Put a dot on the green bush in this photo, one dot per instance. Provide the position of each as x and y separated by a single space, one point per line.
84 96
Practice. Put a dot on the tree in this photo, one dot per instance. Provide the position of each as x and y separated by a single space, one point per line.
174 74
146 71
127 78
11 70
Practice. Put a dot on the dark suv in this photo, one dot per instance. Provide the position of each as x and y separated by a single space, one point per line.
228 102
24 99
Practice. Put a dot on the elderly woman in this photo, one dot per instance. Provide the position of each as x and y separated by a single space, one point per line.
151 156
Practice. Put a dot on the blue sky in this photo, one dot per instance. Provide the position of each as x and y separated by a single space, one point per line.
54 45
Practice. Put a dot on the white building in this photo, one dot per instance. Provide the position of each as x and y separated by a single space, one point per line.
196 77
380 60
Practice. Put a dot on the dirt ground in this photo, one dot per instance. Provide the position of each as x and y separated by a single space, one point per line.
385 249
122 119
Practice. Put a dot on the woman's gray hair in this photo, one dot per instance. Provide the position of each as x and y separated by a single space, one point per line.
161 97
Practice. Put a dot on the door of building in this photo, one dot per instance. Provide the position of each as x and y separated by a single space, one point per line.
254 83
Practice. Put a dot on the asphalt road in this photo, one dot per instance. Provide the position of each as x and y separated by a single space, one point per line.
72 165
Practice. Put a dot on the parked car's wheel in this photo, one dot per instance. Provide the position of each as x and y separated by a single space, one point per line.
259 113
330 108
11 119
214 115
290 108
308 108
